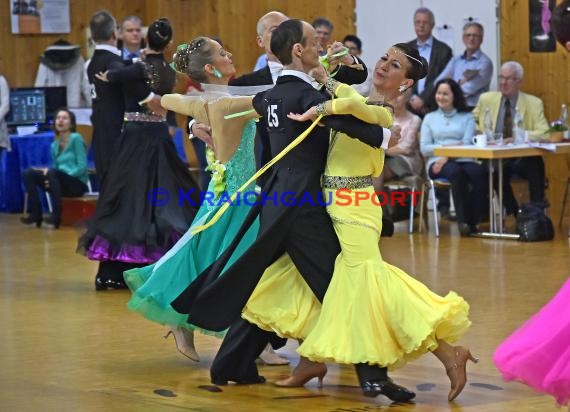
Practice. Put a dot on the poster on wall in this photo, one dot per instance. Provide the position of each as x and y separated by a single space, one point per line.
541 37
39 16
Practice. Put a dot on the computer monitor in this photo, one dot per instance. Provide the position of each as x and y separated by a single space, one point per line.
27 106
56 97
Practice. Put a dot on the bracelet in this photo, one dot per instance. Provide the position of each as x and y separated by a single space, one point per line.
330 85
321 110
190 134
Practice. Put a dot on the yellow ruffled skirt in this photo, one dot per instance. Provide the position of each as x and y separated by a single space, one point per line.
372 313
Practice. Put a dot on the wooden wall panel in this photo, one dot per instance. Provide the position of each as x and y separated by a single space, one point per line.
547 75
19 54
233 21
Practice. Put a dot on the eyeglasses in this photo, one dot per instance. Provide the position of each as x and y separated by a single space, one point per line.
508 79
472 35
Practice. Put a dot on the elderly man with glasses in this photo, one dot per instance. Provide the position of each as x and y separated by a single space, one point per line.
504 105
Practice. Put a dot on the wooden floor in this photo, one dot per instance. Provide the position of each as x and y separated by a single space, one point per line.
65 347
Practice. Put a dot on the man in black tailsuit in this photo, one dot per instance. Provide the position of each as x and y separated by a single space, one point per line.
107 120
108 100
304 231
268 75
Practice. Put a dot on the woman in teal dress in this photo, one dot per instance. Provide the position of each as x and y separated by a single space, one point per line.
67 176
231 163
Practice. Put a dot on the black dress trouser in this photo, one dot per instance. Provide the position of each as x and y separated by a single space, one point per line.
57 183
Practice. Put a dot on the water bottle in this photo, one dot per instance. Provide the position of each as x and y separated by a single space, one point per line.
564 120
518 127
488 124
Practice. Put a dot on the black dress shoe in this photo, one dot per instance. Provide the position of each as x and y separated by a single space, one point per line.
248 381
30 220
388 388
447 215
467 230
108 284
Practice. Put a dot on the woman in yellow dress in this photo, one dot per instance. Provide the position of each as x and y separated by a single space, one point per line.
373 312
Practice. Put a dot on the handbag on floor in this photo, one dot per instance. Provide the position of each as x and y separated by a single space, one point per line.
533 225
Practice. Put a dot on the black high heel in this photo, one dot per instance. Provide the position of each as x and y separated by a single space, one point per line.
52 222
30 220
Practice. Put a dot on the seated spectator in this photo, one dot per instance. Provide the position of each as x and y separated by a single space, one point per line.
354 45
473 69
450 125
68 176
403 159
503 106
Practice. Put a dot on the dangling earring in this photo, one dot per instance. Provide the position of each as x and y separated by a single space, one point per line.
217 73
402 88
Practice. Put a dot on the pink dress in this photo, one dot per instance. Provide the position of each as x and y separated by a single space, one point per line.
538 353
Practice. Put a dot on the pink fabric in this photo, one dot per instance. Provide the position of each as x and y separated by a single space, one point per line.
538 353
545 17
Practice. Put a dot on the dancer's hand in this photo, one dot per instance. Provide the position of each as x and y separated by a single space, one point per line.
310 114
335 48
155 106
438 165
319 74
395 136
102 76
203 132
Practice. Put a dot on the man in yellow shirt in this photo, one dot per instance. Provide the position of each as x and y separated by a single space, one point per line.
504 105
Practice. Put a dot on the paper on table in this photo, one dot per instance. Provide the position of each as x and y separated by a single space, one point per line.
470 73
551 147
26 130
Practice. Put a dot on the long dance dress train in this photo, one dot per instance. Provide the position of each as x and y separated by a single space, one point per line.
373 312
538 353
156 285
130 225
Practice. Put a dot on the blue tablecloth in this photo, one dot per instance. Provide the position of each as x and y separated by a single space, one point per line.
27 151
34 150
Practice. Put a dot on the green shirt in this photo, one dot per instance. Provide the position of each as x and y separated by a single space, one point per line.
73 159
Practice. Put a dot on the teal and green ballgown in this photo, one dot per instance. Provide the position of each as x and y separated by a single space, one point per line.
156 285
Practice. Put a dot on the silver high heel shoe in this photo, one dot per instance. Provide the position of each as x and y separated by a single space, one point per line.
184 342
269 357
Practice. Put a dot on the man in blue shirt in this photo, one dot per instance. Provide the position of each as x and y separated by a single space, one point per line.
473 69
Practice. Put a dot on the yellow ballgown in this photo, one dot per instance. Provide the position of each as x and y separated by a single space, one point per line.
373 312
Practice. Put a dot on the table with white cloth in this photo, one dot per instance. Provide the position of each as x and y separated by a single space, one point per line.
498 153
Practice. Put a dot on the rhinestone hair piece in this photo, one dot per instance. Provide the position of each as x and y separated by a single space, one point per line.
407 55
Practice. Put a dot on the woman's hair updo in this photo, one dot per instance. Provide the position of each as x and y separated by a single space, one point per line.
159 34
190 58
